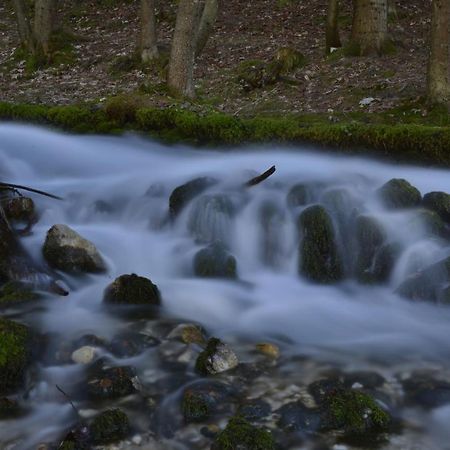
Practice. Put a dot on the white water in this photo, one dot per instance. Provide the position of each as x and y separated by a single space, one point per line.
350 323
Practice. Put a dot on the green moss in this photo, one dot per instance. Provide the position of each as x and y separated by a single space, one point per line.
355 412
110 426
15 292
241 434
201 365
195 406
14 354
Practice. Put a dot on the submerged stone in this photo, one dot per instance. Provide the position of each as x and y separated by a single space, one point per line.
254 410
295 416
216 358
399 194
439 202
240 434
110 426
112 383
425 391
15 354
214 261
66 250
132 290
188 334
429 223
319 260
183 194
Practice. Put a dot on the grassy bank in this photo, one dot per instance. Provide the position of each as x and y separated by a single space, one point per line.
397 135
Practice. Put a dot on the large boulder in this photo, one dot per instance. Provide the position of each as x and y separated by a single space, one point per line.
132 290
399 194
66 250
429 284
214 261
439 202
183 194
15 354
319 260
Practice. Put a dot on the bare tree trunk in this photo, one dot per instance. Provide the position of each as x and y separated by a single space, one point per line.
149 47
438 64
369 29
332 31
22 12
207 22
43 24
182 55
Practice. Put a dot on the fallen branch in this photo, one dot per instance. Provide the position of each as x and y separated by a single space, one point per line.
260 178
26 188
68 399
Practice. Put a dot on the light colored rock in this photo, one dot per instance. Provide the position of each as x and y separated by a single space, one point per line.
84 355
66 250
366 101
187 333
268 349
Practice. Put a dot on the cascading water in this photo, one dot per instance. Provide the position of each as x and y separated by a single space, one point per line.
116 192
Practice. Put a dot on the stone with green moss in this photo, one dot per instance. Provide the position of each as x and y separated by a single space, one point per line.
429 223
289 59
132 290
240 434
399 194
15 354
109 427
319 260
355 412
214 261
14 292
439 202
216 358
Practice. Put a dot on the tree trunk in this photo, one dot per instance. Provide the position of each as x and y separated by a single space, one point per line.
43 25
149 47
369 29
438 64
207 22
332 31
21 10
182 55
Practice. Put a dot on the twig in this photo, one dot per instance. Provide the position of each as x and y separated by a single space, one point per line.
261 177
68 399
26 188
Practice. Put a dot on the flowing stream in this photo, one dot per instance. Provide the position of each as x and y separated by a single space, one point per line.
116 192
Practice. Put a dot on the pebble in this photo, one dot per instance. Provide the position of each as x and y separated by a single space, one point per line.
270 350
84 355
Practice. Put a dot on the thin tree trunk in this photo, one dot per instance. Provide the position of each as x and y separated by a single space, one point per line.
207 21
182 55
438 65
149 47
332 31
21 10
369 29
43 24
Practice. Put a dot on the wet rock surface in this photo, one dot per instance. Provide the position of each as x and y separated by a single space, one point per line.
399 194
215 261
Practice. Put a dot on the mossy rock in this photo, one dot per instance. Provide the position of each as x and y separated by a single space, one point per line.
240 434
109 427
9 409
319 260
289 59
384 261
399 194
15 354
214 261
183 194
14 292
216 358
429 222
439 202
355 412
20 209
299 195
132 290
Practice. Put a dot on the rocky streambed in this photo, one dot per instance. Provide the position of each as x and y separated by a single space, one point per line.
169 303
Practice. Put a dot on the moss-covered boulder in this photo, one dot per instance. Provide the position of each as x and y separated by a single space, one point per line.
240 434
214 261
399 194
289 59
132 290
439 202
183 194
370 236
15 355
354 412
210 219
14 292
216 358
64 249
255 74
429 284
19 209
319 260
428 223
299 195
384 261
110 426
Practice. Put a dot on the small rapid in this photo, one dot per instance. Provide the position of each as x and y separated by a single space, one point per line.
116 194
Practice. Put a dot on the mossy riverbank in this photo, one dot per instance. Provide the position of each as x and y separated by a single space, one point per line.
397 135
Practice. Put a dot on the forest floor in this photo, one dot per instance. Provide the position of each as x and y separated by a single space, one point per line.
95 59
